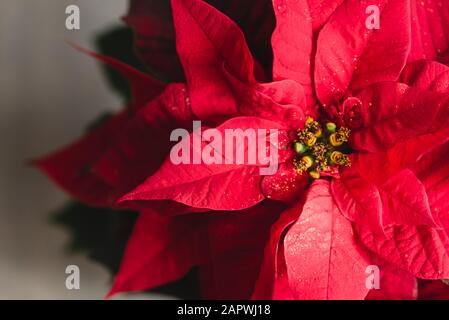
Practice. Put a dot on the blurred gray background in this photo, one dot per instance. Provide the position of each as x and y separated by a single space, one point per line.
48 94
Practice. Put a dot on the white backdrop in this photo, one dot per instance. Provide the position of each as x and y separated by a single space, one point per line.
48 94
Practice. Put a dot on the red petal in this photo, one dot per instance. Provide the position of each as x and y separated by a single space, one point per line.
152 22
70 168
405 201
419 250
429 29
379 166
281 101
214 186
433 170
206 40
236 241
257 21
427 75
292 44
401 200
298 24
120 154
395 284
228 247
348 54
423 75
322 258
393 113
155 37
286 185
358 199
272 282
161 249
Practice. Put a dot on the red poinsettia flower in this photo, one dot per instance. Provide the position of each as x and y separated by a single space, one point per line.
362 180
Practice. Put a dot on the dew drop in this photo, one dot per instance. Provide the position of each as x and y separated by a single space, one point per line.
282 8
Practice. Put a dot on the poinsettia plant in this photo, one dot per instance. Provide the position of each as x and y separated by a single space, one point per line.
363 173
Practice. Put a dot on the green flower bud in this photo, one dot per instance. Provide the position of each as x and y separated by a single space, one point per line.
331 127
299 147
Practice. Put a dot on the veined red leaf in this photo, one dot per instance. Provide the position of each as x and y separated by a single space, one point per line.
401 200
420 250
206 40
322 257
120 154
161 249
394 113
429 29
427 75
292 45
226 185
348 55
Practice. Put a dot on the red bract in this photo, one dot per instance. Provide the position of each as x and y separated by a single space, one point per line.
388 209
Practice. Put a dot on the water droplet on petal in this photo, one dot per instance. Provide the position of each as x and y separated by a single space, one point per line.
281 8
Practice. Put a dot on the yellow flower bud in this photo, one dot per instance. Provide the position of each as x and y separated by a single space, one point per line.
314 174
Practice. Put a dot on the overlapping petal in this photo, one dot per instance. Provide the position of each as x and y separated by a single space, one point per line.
401 200
161 249
420 250
350 56
114 158
429 29
224 183
206 41
322 257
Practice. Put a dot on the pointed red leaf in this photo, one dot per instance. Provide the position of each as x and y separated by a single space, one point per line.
227 186
393 113
161 249
272 282
429 29
152 23
401 200
282 101
380 166
292 44
424 75
70 167
206 40
298 24
257 21
120 154
358 199
420 250
348 55
322 257
428 75
432 168
405 202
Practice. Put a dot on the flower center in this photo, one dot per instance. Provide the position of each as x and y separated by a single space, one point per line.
321 151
